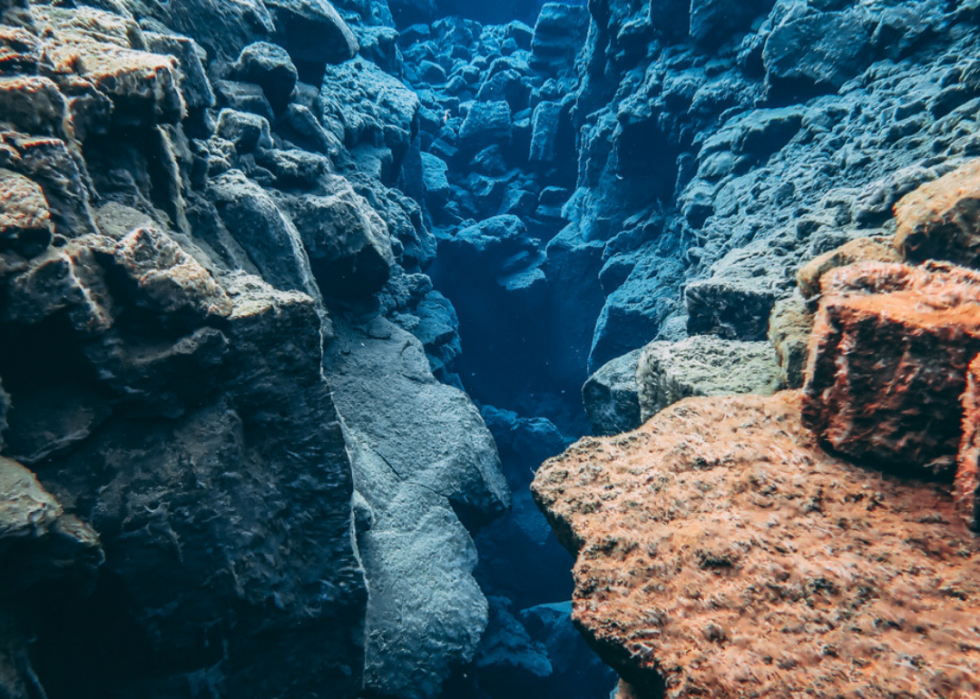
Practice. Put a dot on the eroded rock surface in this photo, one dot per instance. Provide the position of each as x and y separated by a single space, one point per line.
888 361
702 365
720 552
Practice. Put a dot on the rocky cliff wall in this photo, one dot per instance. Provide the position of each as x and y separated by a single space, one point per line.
200 236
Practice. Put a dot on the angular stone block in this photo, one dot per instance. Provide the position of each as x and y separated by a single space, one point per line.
703 365
888 361
941 220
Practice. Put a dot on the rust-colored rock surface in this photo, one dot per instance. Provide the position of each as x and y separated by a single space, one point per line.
941 220
968 462
887 363
852 252
722 553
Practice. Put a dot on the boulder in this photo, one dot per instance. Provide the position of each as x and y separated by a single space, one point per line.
377 114
61 174
544 132
888 361
421 453
166 282
703 365
790 326
610 396
852 252
487 123
144 87
721 553
731 308
270 67
270 239
314 33
39 542
246 131
35 105
348 244
941 220
714 21
243 97
25 220
818 51
254 560
559 33
194 84
488 243
434 178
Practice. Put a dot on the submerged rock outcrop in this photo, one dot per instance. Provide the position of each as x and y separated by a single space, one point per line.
721 552
769 545
198 220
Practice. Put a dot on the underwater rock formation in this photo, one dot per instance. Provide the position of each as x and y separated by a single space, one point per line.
186 225
721 551
888 360
702 365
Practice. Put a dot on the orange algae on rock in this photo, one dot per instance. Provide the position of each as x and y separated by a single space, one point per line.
941 219
968 461
722 553
887 362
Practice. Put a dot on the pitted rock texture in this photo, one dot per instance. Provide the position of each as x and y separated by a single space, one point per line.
722 553
421 454
702 365
852 252
941 220
611 398
968 459
790 326
888 359
177 212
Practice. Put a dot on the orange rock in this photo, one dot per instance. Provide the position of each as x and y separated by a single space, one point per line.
887 362
941 220
851 252
722 554
968 471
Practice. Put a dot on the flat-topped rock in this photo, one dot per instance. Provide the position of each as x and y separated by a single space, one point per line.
703 365
941 219
722 553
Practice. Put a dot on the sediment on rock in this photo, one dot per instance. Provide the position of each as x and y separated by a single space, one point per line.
888 360
721 551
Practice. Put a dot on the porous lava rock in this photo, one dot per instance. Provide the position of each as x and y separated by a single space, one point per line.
888 360
722 553
941 219
968 460
610 396
790 326
851 252
703 365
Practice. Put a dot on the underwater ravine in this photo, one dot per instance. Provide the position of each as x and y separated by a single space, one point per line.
335 334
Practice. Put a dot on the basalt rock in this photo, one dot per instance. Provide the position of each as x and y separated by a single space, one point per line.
790 326
941 220
852 252
968 459
610 396
721 552
421 454
702 365
888 363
